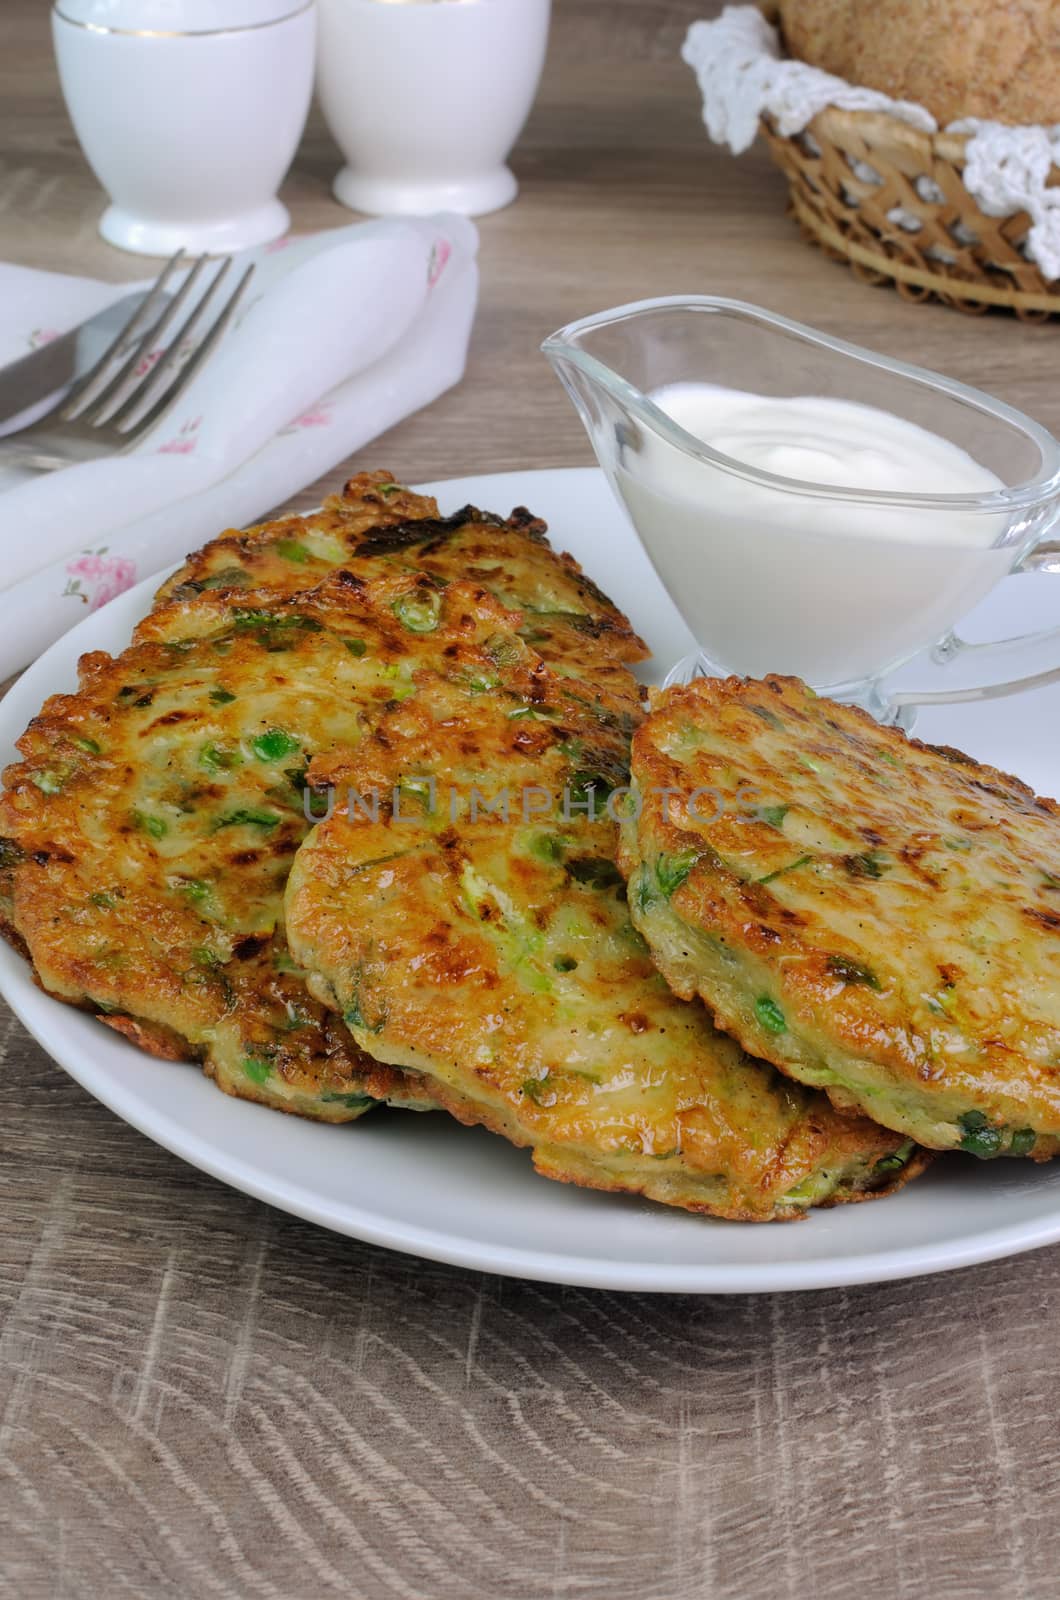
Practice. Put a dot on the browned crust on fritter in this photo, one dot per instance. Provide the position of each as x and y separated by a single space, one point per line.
370 525
59 866
569 1165
150 1037
935 788
550 1164
439 944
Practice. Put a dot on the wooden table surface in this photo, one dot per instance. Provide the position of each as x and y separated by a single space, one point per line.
200 1396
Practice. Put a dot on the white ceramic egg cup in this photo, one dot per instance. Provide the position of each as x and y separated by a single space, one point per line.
426 100
189 113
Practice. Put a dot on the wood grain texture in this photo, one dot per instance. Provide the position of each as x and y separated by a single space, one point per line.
202 1397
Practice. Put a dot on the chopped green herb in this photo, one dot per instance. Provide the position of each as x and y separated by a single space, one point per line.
978 1136
274 625
547 847
944 1003
564 964
196 889
355 1102
154 826
1022 1142
809 1189
536 1088
257 1071
848 971
274 745
803 861
402 689
770 1015
356 647
773 815
811 763
588 786
354 1015
644 889
419 611
897 1160
247 817
283 961
105 902
221 697
291 550
203 957
672 871
227 578
421 790
596 871
48 781
84 743
245 618
387 489
867 865
217 758
769 717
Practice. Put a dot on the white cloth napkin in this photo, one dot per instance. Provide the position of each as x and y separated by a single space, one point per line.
342 334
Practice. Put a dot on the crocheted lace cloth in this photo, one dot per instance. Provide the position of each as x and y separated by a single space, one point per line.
741 74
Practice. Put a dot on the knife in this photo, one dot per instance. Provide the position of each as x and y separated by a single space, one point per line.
44 373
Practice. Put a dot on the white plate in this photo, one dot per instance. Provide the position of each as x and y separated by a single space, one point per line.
420 1183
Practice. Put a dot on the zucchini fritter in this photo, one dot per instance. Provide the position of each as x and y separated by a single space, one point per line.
875 916
154 817
377 526
155 814
481 937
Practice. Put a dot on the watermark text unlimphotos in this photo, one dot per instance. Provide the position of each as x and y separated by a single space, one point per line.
419 800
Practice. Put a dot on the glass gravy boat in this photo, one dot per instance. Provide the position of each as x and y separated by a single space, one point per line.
763 587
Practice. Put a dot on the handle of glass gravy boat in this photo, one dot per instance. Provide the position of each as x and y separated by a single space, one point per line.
965 672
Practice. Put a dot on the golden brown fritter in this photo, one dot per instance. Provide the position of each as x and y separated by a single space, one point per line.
482 937
152 821
875 916
376 526
205 971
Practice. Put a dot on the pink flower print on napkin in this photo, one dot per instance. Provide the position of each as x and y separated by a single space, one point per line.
441 250
41 336
277 244
183 442
94 577
316 417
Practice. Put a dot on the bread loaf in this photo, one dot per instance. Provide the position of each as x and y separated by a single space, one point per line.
998 59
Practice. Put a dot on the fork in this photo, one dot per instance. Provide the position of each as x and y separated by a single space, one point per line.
123 397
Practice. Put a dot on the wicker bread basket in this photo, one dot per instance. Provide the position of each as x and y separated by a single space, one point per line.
849 169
